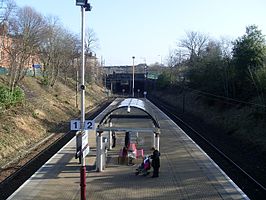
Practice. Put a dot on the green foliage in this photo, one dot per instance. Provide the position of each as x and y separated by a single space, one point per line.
211 72
260 81
240 74
9 98
35 115
261 78
207 77
45 81
248 56
164 80
249 50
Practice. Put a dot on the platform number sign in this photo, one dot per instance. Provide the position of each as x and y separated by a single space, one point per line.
75 125
89 125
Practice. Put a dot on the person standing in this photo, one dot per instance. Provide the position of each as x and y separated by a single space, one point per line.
114 139
155 162
127 139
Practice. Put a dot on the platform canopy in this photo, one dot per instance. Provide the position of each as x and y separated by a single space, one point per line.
125 115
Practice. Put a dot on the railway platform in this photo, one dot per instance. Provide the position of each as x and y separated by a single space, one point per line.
186 172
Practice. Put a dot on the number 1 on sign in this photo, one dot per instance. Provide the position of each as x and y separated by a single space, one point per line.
75 125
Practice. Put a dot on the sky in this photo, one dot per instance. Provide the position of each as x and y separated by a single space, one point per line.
150 29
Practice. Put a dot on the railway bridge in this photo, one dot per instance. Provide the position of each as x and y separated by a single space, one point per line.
119 79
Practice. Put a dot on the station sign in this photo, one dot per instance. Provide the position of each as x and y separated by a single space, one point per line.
82 143
75 125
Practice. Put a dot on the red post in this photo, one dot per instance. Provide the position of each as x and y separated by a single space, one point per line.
83 182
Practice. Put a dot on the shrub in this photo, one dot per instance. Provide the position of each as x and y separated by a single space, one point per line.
8 98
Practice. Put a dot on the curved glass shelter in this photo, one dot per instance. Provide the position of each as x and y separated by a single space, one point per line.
128 115
129 109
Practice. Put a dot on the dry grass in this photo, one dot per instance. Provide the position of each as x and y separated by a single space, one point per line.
46 111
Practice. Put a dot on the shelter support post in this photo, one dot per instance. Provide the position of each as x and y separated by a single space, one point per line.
156 141
99 153
110 137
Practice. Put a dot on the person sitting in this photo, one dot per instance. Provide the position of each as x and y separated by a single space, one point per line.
124 152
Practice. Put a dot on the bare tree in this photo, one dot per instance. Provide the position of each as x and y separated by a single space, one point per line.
91 41
91 64
6 8
50 51
172 59
68 53
58 51
226 48
26 29
195 43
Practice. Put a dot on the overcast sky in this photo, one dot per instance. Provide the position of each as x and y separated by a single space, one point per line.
148 29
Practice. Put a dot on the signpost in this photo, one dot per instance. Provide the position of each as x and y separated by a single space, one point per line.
85 6
75 125
82 144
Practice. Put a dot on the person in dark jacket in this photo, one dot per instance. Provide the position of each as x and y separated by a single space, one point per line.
127 139
114 139
155 162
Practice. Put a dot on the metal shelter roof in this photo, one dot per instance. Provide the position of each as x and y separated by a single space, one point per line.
129 109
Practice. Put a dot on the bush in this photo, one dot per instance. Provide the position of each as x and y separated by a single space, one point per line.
164 80
8 98
45 81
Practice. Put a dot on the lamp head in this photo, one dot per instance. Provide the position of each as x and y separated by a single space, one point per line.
81 2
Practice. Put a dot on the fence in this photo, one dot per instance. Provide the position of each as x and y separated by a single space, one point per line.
30 72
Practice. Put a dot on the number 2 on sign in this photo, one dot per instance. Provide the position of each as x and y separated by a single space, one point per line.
89 124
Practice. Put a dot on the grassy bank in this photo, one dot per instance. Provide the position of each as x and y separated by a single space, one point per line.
44 112
244 123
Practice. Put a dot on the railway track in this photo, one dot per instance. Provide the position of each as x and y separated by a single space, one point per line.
23 173
243 178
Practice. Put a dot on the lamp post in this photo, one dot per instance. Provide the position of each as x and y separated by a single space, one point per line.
133 76
145 75
123 90
161 63
84 7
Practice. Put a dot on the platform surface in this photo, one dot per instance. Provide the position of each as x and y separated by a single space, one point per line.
186 172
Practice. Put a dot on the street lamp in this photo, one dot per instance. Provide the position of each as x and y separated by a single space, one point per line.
133 75
161 63
145 73
81 2
85 6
